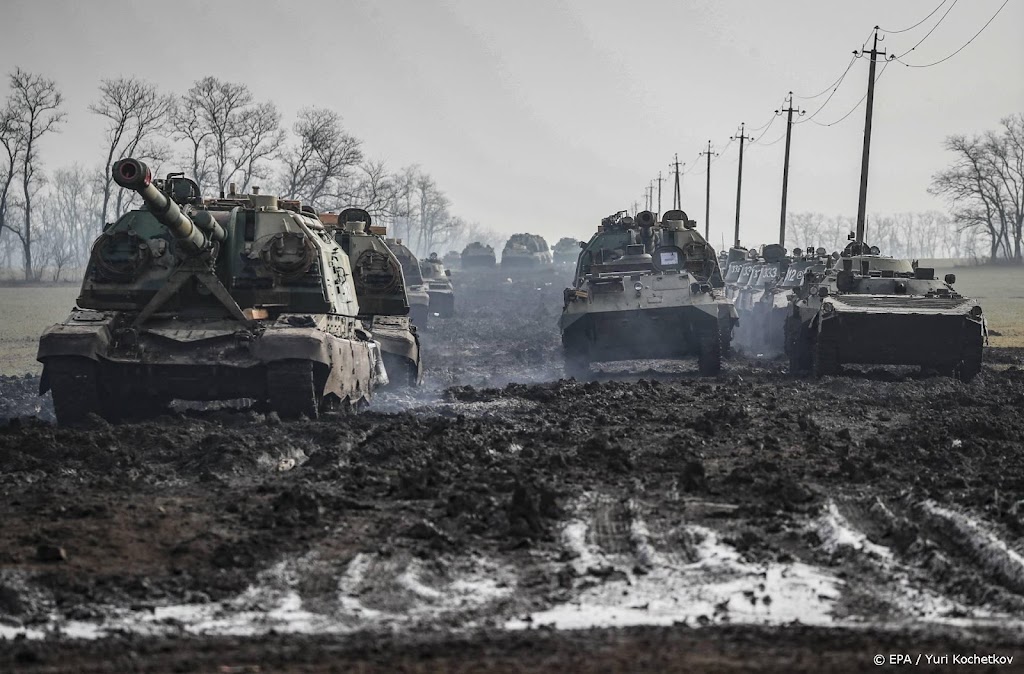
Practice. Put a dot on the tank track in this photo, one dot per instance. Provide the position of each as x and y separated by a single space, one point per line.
292 390
74 388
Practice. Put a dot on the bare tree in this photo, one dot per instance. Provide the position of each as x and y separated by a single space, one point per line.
375 189
230 136
137 114
323 159
34 111
12 142
985 186
70 210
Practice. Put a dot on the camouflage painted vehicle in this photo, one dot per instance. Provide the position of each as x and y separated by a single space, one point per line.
452 260
478 256
646 289
880 310
439 286
380 288
566 251
415 286
526 250
239 297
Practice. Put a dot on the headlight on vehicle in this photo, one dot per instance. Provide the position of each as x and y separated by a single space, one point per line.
638 286
976 311
827 308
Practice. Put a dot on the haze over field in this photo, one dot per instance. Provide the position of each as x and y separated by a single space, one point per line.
546 115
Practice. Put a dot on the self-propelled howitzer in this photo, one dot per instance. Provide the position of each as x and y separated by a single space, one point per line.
245 296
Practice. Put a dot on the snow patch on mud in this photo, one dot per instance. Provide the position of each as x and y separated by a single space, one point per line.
705 581
370 592
836 533
896 584
990 551
434 404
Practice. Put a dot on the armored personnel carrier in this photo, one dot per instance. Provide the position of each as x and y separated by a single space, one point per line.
526 250
880 310
478 256
439 286
646 289
380 289
415 286
245 296
566 251
762 307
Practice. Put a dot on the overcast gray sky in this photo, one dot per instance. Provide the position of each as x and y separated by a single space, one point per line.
544 115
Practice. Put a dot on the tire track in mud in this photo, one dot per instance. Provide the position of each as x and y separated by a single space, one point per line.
876 499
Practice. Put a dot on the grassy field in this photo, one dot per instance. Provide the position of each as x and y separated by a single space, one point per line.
1000 290
29 309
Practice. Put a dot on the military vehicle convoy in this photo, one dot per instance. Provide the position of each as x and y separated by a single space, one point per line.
246 296
380 289
566 251
646 289
452 260
478 256
526 250
415 286
439 286
872 309
761 283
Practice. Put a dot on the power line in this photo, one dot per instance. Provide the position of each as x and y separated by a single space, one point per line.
894 32
839 80
962 47
768 126
937 24
834 83
765 125
780 138
834 90
854 108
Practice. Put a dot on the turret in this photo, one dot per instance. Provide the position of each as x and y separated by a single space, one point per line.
194 236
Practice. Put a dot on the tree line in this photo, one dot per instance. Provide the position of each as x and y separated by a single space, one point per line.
928 234
221 136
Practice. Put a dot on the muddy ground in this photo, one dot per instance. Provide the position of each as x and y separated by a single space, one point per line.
501 519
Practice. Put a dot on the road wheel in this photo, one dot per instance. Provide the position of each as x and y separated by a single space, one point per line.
826 358
292 390
725 337
799 349
74 388
709 358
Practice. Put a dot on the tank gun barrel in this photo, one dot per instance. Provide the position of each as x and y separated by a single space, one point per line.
134 175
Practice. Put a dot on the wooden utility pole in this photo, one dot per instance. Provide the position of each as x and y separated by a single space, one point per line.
862 202
677 195
789 110
660 180
739 181
707 195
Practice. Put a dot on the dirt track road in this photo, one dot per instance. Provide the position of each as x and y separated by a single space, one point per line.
503 520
